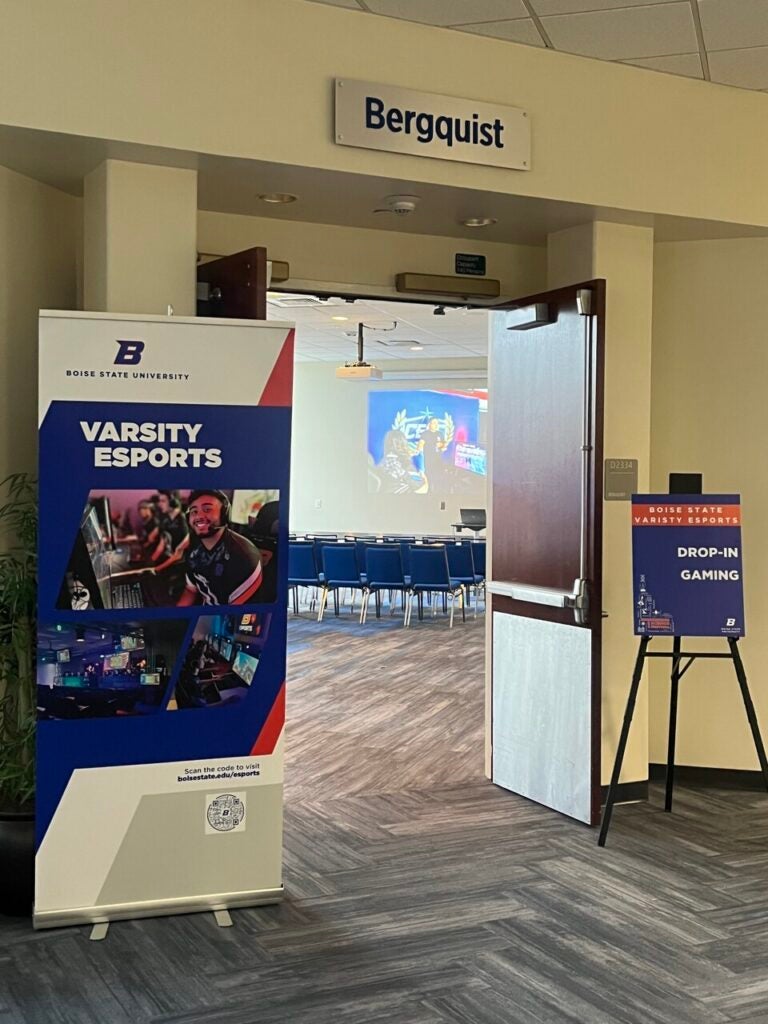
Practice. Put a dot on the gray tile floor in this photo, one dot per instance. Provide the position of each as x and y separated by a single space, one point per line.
420 894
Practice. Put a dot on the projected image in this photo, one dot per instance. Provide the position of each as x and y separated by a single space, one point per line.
422 442
221 661
165 548
105 670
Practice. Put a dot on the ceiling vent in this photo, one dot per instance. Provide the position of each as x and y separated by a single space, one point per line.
297 301
294 301
399 342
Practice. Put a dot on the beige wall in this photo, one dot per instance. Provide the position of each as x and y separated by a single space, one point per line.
623 256
39 243
255 81
710 414
329 460
324 253
140 231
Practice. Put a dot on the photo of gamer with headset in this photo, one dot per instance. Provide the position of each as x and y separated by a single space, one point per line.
169 548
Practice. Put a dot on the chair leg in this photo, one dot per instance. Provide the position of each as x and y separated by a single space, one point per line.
364 607
336 601
463 609
323 602
453 602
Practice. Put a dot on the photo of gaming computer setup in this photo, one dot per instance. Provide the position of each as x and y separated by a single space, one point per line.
132 548
221 661
105 670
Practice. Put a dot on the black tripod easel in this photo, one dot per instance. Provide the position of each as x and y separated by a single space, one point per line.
677 654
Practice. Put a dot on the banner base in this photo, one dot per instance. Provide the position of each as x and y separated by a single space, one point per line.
155 908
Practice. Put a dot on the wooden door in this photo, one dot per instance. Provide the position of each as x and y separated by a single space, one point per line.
237 285
545 534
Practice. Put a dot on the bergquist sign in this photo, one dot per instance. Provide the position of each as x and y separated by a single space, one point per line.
384 117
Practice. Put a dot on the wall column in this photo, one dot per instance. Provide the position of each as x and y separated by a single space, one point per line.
623 255
140 239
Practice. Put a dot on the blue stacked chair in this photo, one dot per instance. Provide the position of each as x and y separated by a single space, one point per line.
461 568
478 556
361 546
429 574
302 570
319 540
340 572
405 554
384 571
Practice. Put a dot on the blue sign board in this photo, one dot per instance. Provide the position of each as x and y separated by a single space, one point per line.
687 567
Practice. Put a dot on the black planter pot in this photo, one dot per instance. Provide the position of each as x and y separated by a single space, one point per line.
17 862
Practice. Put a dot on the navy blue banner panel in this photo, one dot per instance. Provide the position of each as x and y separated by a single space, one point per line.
687 565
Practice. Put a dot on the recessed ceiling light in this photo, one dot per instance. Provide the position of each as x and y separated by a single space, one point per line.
277 198
416 348
339 318
479 222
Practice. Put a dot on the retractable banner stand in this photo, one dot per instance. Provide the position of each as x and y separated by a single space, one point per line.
164 472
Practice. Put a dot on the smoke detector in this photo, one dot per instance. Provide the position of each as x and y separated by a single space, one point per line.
401 206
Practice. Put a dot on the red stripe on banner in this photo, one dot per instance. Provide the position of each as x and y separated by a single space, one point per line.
270 732
686 515
279 387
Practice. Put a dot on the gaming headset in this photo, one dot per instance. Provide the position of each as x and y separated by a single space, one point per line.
225 506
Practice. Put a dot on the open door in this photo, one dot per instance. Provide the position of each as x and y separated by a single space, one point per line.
545 544
235 286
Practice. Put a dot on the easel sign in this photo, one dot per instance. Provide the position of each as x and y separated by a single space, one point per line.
687 579
686 565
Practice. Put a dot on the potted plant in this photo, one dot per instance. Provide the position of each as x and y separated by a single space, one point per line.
18 705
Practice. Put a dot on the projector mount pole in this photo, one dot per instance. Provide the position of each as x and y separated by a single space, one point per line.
361 328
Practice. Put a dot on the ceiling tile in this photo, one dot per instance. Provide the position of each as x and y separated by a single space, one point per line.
625 33
745 68
729 24
546 7
521 30
449 12
686 64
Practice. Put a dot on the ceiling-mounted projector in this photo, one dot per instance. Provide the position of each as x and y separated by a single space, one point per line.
359 371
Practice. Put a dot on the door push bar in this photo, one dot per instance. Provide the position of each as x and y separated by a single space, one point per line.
577 599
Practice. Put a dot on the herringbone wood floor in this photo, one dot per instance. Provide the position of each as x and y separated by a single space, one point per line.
418 893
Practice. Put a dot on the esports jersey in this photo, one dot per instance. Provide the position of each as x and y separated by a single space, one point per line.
227 572
175 529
